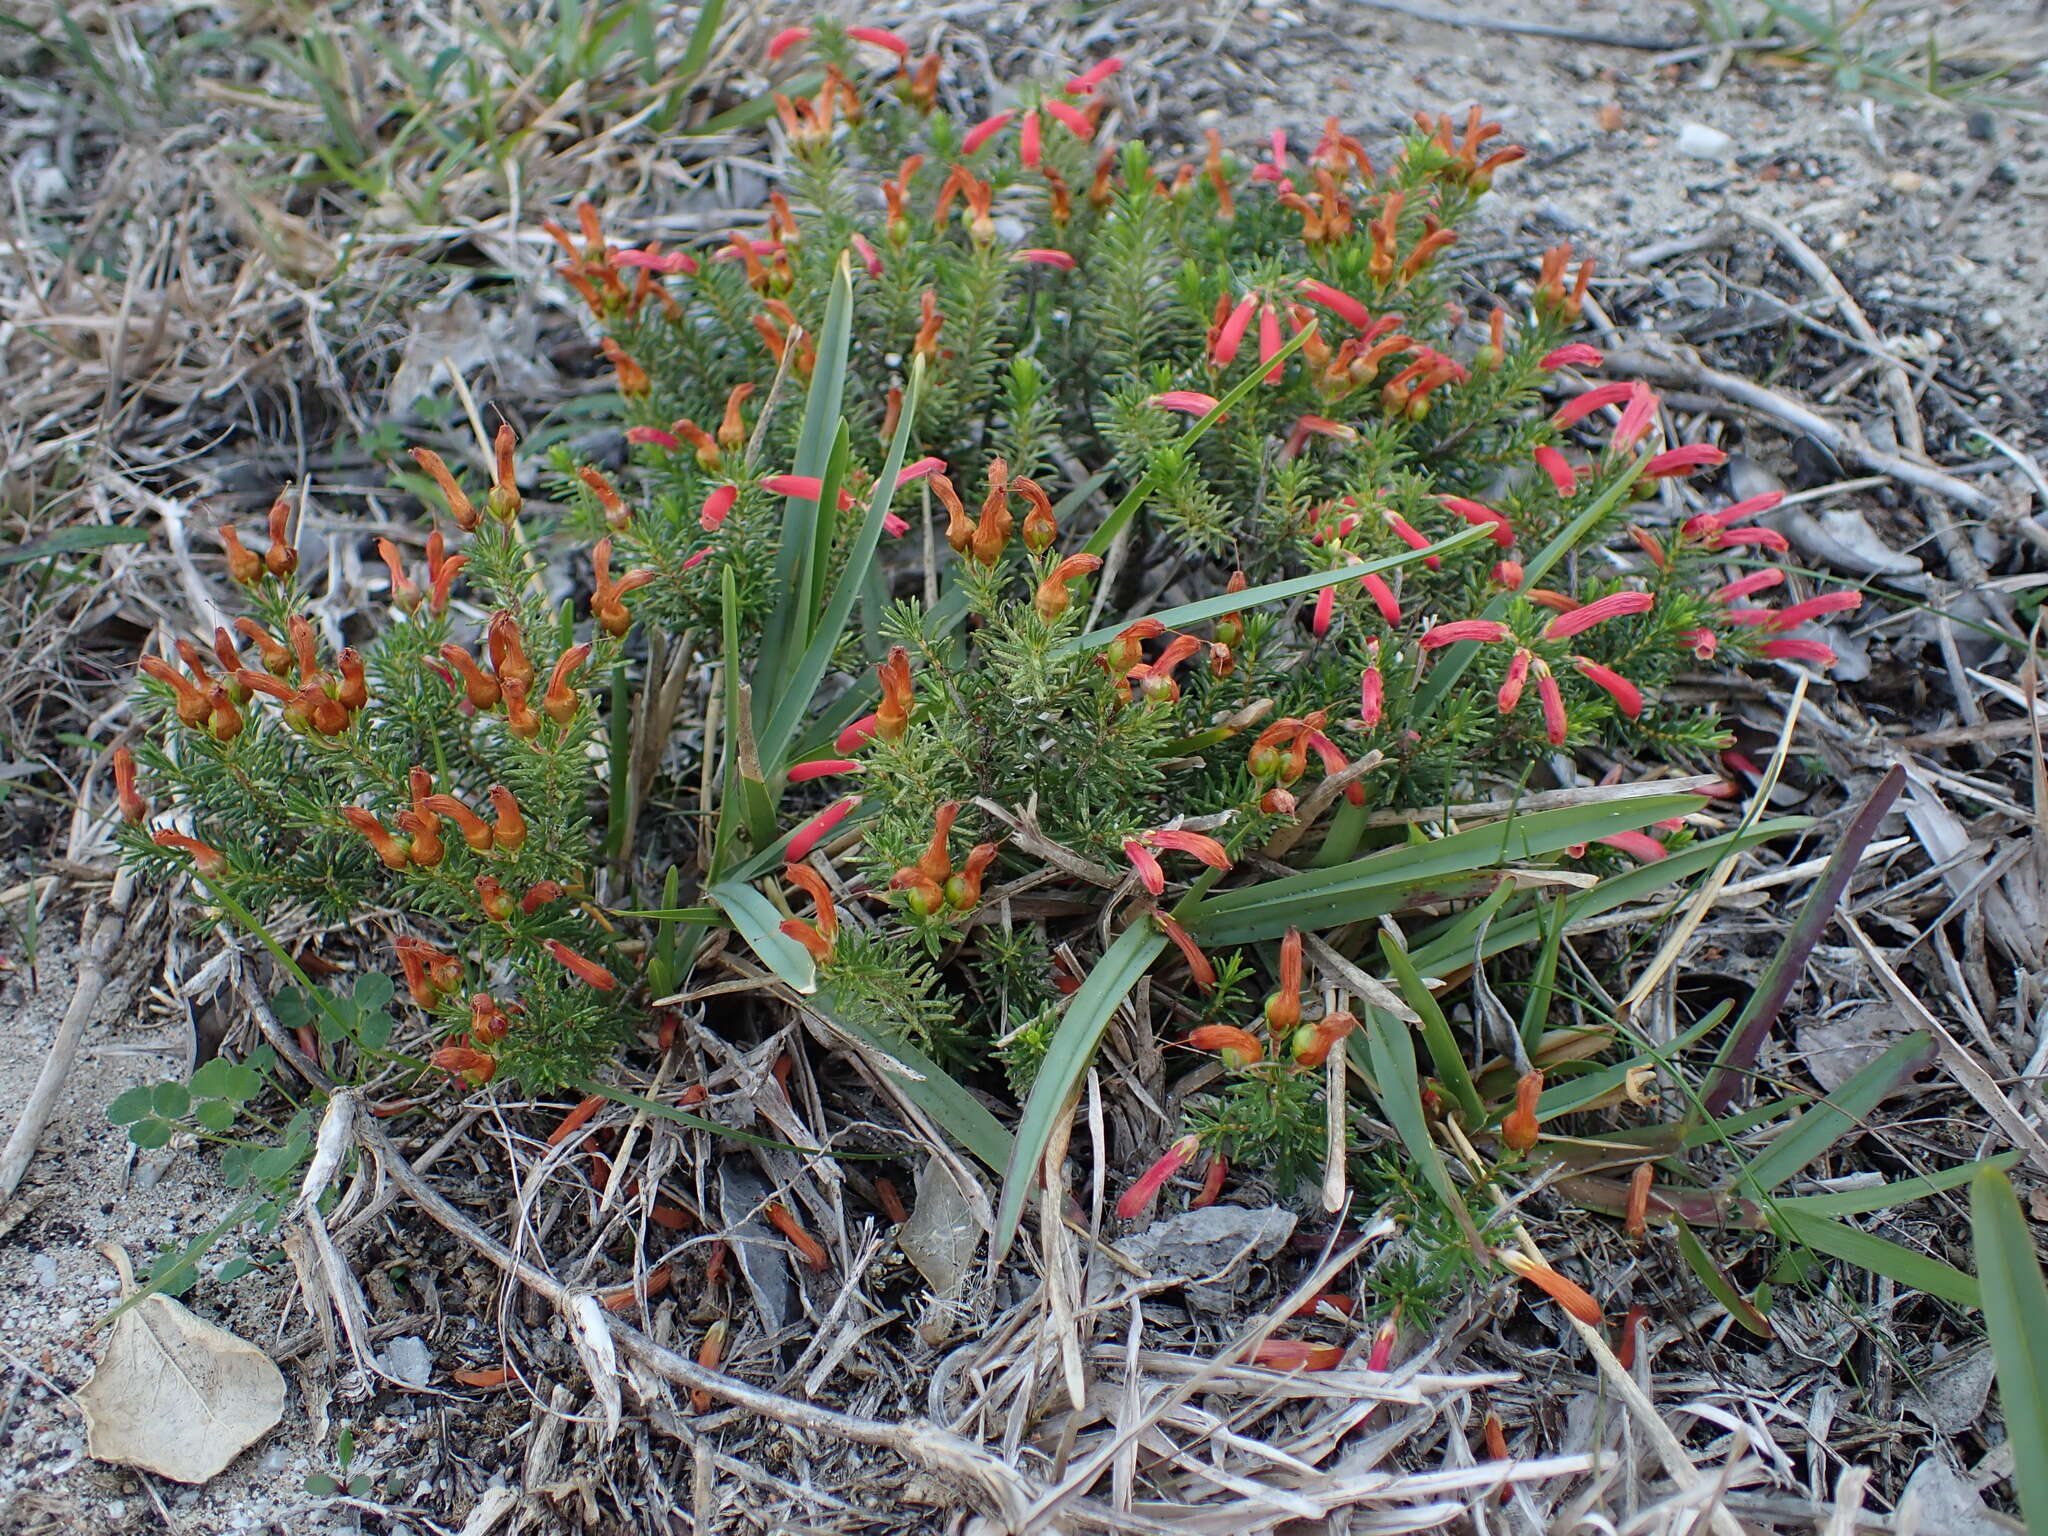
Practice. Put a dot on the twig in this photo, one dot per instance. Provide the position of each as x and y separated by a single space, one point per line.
1634 40
85 997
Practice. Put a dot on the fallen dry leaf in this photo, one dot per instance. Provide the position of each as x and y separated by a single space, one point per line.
175 1395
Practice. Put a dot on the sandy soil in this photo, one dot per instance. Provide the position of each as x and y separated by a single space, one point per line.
1935 217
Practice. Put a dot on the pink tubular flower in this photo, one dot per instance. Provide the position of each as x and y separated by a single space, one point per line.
1372 697
1326 605
1336 301
1189 402
1508 575
1072 118
1628 698
716 507
1599 397
1799 650
1406 532
1749 586
1486 631
1511 687
1381 1358
822 767
1707 526
1150 875
894 526
668 263
1028 141
656 437
1751 618
1307 425
1045 256
1085 83
918 471
697 559
880 38
1480 517
1599 611
1686 460
856 735
1637 417
1230 334
985 130
1760 538
1814 607
1555 465
786 39
1640 846
818 828
1276 168
804 488
1269 343
1575 354
870 259
1702 642
1555 724
1383 598
1139 1195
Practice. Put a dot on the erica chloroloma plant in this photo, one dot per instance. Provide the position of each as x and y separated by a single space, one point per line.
1109 568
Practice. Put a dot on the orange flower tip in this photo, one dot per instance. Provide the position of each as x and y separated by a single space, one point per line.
786 39
1189 402
1045 256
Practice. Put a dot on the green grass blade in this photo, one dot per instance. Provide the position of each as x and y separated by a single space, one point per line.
1866 1250
72 541
952 1108
2016 1317
703 35
1543 985
1436 1031
758 922
1389 1057
1808 1138
1570 1094
1185 614
1711 1275
1066 1062
1882 1197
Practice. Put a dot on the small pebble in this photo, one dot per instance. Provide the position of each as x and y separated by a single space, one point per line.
1700 142
1981 126
1909 182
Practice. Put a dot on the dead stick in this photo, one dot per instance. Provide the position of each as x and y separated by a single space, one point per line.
85 997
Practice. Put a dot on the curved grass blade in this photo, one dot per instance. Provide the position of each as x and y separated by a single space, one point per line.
1066 1061
1882 1197
1808 1137
758 922
1866 1250
1390 1058
1436 1031
2015 1300
1711 1275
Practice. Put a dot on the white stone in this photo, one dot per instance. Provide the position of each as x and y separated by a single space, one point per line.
1704 143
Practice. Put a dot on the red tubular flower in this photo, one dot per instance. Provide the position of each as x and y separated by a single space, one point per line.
1637 417
924 468
1052 598
395 851
1761 538
1372 697
1382 597
508 829
1563 477
1507 575
1628 698
1814 607
786 39
479 687
1297 1355
589 972
476 832
1381 1358
1708 526
1200 971
1749 586
1150 874
1189 402
1597 398
880 38
1229 337
668 263
466 516
892 718
818 828
209 861
1799 650
1486 631
1283 1006
821 768
1481 517
1072 118
1028 143
1176 1157
858 734
1407 534
1685 460
561 701
1045 256
985 130
1576 354
540 894
654 437
1640 846
1510 693
1335 300
1269 343
1086 83
717 506
1556 725
1599 611
1326 604
1237 1047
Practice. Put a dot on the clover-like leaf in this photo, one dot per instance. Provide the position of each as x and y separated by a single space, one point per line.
171 1100
130 1106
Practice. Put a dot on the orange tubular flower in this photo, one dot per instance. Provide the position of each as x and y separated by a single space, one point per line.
223 719
210 862
1127 650
540 894
1572 1297
936 863
508 649
633 381
605 604
193 706
1237 1047
429 975
1200 971
963 890
494 899
467 1063
1052 598
478 686
616 516
466 516
1283 1008
588 972
959 526
245 566
504 499
395 851
520 719
281 559
509 825
1039 528
561 701
817 937
134 809
476 832
1312 1043
277 660
405 593
354 691
1297 1355
488 1023
1157 680
892 717
1518 1127
992 529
